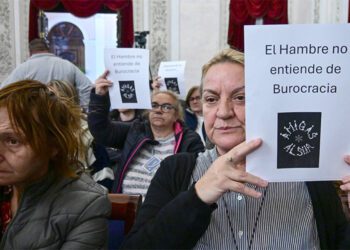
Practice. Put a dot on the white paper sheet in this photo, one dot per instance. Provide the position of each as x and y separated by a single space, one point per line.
173 77
129 72
298 100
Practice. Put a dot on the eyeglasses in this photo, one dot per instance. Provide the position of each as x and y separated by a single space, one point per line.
165 107
196 98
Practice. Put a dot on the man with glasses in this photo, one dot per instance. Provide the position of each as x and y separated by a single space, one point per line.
143 143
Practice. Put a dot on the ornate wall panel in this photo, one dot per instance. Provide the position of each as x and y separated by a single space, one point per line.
159 33
138 14
24 29
13 34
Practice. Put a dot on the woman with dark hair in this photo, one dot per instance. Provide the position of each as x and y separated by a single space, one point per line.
46 200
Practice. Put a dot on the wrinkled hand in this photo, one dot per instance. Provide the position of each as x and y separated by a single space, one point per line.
102 84
346 180
227 173
156 83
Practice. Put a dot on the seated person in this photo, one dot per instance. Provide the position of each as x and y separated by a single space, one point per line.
193 112
209 201
46 200
121 115
143 143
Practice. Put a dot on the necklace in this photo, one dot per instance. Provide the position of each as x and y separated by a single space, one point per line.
255 223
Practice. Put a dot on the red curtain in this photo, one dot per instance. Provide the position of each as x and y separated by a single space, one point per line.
349 13
86 8
245 12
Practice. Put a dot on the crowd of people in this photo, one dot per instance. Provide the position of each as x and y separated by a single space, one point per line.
185 157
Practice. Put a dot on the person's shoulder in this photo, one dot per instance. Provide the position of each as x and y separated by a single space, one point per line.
62 61
86 183
77 194
82 186
76 201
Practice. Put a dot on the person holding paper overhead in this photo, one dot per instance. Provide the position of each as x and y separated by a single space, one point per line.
193 110
144 143
209 201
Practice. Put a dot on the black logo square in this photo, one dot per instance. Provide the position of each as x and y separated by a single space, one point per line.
298 143
171 84
127 91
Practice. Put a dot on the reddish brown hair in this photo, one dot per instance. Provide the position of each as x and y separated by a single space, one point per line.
50 125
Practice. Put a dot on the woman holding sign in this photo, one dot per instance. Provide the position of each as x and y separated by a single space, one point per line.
143 143
211 202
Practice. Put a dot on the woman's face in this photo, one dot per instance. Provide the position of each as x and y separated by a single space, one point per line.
224 105
163 118
195 102
19 165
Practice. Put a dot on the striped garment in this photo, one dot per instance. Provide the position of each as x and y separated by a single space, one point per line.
286 220
145 165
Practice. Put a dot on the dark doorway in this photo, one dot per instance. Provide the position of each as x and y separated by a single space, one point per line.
67 41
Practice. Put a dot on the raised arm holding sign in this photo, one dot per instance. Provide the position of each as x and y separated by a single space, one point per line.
128 70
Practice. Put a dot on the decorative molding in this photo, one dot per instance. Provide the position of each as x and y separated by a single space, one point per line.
337 10
24 29
316 13
224 18
6 39
159 30
334 11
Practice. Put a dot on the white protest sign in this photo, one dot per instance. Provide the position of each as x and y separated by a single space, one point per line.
128 70
298 101
173 77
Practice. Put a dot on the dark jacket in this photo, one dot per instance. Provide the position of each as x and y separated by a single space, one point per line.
191 121
173 217
60 214
131 137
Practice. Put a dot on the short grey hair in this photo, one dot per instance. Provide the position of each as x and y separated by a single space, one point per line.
227 55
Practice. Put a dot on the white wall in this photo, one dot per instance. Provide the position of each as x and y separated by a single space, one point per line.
198 44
